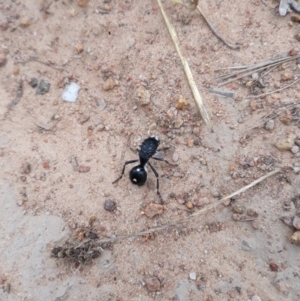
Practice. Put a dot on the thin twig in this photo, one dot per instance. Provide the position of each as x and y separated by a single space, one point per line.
35 59
237 46
187 69
266 64
275 91
200 212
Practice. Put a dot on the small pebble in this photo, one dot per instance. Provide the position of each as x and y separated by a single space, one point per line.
236 217
153 209
255 298
286 118
297 141
255 224
33 82
269 126
189 205
251 212
43 87
3 58
142 96
295 18
152 127
83 169
296 169
83 3
201 202
16 70
274 267
101 104
83 119
182 103
238 209
296 222
110 205
100 128
193 276
109 84
175 157
152 284
24 22
190 142
295 238
79 48
295 149
70 93
178 123
287 76
285 142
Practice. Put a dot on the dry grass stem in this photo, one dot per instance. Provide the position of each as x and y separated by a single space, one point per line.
198 213
187 69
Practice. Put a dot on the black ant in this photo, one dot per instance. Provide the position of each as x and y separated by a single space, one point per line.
138 174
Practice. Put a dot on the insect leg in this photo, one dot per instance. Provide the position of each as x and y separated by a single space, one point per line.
126 163
157 181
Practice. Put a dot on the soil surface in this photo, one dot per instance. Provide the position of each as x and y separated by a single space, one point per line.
58 159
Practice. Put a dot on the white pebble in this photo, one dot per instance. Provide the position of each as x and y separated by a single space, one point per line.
193 276
255 298
71 92
295 149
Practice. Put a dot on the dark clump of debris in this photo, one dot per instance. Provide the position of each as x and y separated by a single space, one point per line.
82 253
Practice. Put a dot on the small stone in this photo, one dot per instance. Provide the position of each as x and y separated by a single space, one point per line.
3 59
182 103
43 87
297 141
255 298
71 91
152 284
101 104
295 238
92 219
142 96
24 22
269 125
296 169
153 209
16 70
33 82
296 222
83 3
79 48
201 202
71 225
25 168
274 267
190 142
253 105
287 118
287 76
189 205
100 128
109 84
178 123
238 209
193 276
295 149
252 213
83 119
295 18
293 52
297 36
236 217
152 127
175 157
286 142
83 169
255 224
46 165
110 205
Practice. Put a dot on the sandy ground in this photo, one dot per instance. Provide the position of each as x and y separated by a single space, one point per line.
44 200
